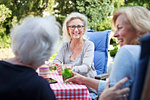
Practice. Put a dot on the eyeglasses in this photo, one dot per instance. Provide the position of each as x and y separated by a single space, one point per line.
79 27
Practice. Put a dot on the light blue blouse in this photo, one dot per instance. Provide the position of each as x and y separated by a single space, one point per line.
125 63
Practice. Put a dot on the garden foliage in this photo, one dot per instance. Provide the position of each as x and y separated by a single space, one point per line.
95 10
144 3
4 38
12 11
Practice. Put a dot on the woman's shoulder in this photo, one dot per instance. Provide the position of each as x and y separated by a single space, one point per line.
131 49
88 42
38 80
88 45
131 52
65 44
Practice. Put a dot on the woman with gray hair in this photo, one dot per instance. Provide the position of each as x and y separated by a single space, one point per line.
76 50
32 43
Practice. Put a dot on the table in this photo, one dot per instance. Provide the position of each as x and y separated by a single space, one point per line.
68 91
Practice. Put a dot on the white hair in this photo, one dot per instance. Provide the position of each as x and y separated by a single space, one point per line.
73 15
33 41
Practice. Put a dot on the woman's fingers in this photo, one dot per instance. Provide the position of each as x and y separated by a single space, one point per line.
120 83
124 91
75 79
115 93
70 79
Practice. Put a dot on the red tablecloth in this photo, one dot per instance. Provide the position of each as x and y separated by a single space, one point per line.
68 91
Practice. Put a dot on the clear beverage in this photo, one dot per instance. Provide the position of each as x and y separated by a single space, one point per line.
67 71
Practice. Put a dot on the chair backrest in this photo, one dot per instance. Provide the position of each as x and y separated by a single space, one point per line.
101 41
141 68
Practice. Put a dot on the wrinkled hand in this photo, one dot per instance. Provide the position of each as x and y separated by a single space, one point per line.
77 78
115 93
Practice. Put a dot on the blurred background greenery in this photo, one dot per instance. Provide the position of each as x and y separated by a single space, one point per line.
99 13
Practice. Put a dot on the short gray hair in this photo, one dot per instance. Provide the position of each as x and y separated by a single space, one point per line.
33 41
73 15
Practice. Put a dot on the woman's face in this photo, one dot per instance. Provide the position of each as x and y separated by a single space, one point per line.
125 33
76 28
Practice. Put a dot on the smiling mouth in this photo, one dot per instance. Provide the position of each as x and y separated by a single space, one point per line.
76 35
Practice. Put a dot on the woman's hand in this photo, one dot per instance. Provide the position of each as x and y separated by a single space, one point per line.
77 78
115 93
80 79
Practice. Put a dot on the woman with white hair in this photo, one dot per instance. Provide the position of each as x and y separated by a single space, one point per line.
32 43
77 50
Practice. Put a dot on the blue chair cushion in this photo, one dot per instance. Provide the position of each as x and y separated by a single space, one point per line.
100 40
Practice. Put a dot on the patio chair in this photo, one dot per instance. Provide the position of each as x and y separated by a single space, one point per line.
141 90
101 41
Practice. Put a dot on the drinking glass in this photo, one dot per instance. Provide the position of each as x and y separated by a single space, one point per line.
53 66
67 71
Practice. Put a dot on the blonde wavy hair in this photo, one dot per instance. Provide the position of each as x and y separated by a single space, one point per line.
138 17
73 15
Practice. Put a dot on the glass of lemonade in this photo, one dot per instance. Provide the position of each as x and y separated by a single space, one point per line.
67 71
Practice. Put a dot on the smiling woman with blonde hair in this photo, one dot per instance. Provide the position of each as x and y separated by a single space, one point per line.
137 20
